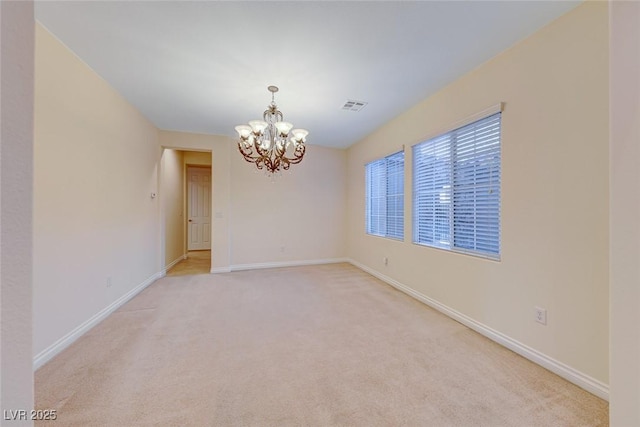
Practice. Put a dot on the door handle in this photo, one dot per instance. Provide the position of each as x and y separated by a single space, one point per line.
190 220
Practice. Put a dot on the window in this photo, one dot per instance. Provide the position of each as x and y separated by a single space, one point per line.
385 196
456 189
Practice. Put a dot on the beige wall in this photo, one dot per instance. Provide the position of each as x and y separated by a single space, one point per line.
554 194
201 158
297 216
260 221
625 213
95 221
16 177
172 200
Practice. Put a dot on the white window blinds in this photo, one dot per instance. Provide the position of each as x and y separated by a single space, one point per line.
385 196
456 189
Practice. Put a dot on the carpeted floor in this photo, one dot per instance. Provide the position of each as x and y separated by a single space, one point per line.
322 345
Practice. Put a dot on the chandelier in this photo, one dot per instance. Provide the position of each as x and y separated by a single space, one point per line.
270 143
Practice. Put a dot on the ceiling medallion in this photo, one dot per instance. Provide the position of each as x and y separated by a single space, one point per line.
270 143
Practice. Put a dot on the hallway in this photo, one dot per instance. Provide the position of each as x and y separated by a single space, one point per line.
197 262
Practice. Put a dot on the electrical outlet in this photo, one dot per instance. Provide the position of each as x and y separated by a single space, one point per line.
385 261
108 281
540 315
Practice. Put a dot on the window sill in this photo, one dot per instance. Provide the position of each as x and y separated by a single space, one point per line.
489 257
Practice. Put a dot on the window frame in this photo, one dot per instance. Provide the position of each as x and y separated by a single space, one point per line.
455 191
397 195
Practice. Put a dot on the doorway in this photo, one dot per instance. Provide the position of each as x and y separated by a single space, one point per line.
198 208
186 193
198 222
196 262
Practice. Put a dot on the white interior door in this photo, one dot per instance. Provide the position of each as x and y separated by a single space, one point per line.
199 208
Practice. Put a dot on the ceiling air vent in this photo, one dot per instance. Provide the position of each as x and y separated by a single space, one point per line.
351 105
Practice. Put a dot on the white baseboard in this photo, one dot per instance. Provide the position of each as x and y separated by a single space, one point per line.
257 266
572 375
48 353
240 267
172 263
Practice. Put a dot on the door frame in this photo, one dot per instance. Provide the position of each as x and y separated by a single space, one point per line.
185 206
162 213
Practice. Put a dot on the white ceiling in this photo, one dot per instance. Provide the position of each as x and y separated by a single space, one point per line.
204 66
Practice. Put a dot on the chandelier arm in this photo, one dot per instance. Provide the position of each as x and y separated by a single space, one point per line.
250 156
280 150
259 150
251 159
272 115
271 167
247 154
262 152
298 154
247 151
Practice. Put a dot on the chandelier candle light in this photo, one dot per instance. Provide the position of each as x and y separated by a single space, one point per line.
270 143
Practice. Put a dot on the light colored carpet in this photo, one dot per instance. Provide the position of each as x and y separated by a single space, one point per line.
308 346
